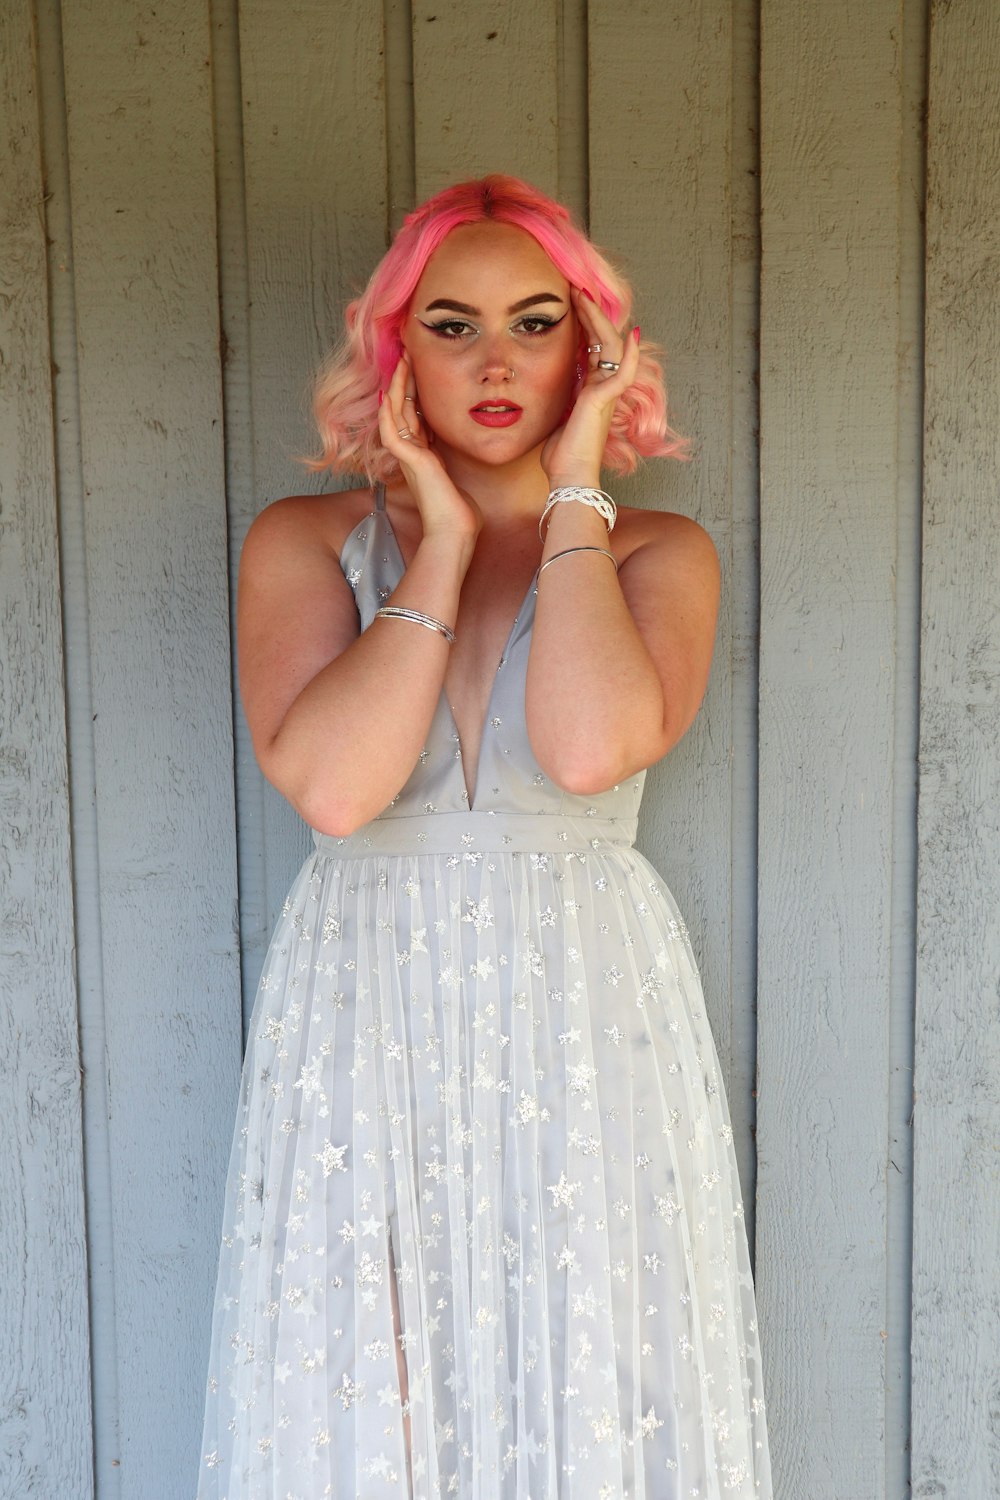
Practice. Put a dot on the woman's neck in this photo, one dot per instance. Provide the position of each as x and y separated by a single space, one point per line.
506 494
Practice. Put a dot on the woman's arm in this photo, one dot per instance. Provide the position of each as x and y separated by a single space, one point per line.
338 719
618 663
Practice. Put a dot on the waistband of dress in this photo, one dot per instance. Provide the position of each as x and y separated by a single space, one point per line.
467 834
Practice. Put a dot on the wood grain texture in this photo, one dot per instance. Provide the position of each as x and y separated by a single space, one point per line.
831 133
317 220
141 163
662 202
45 1418
956 1261
485 87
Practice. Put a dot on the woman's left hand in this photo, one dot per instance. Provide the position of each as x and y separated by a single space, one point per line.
573 453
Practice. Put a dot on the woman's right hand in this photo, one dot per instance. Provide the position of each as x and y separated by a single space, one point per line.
444 508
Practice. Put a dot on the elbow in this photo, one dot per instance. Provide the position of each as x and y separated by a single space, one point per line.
330 816
585 770
588 768
331 810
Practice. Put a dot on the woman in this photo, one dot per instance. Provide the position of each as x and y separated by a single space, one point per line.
483 1234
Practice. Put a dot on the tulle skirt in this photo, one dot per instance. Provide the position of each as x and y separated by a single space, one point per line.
483 1234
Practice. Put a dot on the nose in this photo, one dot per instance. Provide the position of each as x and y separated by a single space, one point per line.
496 366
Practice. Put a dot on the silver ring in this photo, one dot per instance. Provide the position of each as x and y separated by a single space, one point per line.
409 398
404 433
608 364
594 348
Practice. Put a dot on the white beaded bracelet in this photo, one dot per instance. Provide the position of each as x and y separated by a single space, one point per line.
599 500
398 612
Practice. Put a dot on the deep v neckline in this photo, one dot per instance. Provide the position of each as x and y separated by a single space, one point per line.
471 797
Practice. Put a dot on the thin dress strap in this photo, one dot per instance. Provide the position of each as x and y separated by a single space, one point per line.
380 497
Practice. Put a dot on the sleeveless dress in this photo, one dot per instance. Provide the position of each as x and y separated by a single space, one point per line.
482 1126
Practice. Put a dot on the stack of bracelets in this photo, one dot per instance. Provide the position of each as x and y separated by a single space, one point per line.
598 500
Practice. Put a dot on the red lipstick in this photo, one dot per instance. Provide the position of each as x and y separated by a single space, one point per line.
495 413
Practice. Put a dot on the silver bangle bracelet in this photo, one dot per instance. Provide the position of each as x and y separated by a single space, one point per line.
556 556
598 500
398 612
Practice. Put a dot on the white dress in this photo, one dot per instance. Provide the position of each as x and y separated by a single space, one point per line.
480 1076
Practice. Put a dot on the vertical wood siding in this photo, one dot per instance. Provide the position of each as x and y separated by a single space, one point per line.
316 220
45 1418
654 176
138 108
191 194
830 253
956 1286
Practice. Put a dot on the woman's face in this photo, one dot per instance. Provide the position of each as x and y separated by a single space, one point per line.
493 341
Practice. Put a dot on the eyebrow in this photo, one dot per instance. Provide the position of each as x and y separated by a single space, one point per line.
473 312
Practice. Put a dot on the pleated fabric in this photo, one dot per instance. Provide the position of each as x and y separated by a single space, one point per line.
483 1230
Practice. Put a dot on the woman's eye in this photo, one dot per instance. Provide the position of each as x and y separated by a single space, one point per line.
537 324
454 328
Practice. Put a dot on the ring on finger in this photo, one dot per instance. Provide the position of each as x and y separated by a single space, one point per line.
609 364
409 398
404 433
594 348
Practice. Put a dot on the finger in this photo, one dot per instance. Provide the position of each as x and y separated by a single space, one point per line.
605 343
607 385
397 429
411 400
390 420
627 362
596 321
587 313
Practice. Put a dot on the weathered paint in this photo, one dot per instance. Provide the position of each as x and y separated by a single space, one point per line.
830 253
45 1418
138 109
661 183
956 1105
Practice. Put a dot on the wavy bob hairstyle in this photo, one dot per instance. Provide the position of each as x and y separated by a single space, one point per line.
348 384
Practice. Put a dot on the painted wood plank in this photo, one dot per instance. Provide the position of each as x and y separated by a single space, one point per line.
138 91
956 1257
831 140
899 1176
45 1417
317 216
662 201
485 82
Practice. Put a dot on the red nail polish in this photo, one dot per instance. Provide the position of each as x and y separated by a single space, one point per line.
637 333
380 398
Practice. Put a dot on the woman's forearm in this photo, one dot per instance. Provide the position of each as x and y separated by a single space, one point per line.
351 737
594 701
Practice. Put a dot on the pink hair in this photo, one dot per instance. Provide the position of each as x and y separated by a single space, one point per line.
346 394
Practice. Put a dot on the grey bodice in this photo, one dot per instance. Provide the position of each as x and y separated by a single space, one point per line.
515 806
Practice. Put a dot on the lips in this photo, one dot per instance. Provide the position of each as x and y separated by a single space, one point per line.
496 413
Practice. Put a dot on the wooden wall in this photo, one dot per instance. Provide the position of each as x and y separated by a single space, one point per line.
190 194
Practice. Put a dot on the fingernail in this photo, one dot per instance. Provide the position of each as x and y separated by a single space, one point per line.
588 293
380 398
637 333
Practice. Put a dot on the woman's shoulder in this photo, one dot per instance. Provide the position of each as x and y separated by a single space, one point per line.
311 520
642 530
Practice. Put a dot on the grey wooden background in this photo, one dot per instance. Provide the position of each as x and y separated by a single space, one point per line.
190 192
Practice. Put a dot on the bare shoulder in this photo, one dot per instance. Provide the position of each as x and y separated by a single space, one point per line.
668 543
307 522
